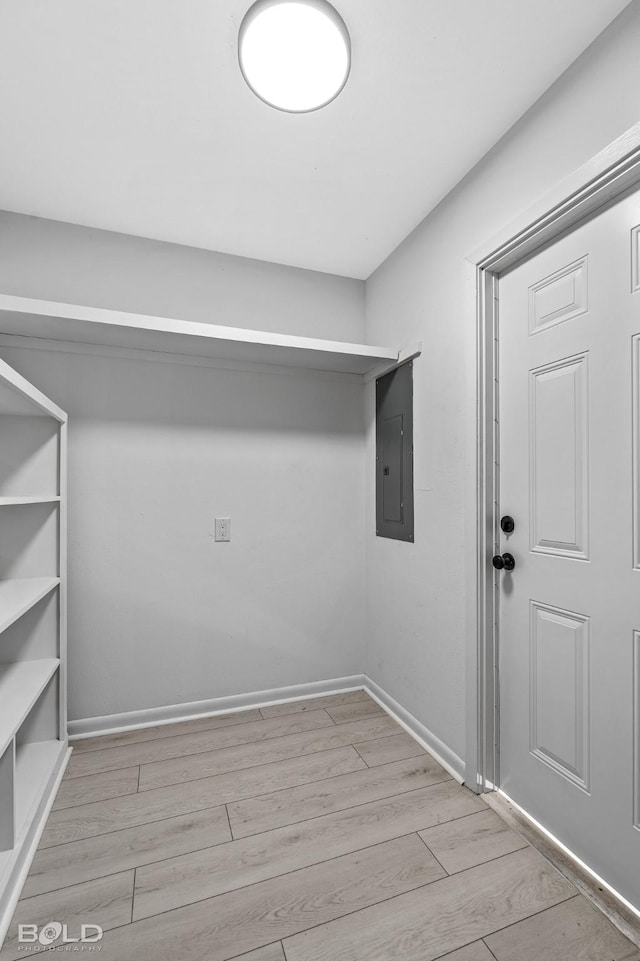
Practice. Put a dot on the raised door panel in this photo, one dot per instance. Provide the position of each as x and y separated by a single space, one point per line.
559 458
559 297
559 695
635 366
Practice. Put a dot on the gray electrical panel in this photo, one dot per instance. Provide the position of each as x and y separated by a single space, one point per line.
394 454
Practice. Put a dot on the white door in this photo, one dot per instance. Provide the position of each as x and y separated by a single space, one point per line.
569 372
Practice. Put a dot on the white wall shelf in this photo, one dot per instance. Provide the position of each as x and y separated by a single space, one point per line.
33 707
24 316
19 595
37 769
21 501
35 764
21 684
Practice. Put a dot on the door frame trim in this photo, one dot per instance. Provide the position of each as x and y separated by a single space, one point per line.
606 176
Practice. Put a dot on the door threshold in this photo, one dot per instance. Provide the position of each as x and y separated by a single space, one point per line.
622 914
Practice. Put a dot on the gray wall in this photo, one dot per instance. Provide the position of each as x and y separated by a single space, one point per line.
416 594
159 614
98 268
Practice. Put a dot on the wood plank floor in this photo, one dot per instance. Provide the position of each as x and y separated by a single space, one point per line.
311 831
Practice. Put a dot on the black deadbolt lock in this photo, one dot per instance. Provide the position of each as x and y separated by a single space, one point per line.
508 524
385 471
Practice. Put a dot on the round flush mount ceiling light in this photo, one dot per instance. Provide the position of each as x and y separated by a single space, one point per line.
294 54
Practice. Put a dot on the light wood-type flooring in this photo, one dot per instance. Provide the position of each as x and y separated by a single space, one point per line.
311 831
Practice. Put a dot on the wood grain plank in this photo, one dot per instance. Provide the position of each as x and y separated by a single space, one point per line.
573 931
206 873
86 860
144 752
272 952
106 902
217 929
313 703
463 844
445 916
478 951
353 712
174 771
623 917
90 820
279 808
103 741
387 749
96 787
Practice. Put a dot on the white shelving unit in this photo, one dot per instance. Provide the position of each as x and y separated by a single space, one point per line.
14 501
18 595
24 316
33 711
33 439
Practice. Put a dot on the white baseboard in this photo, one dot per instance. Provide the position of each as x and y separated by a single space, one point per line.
437 748
169 714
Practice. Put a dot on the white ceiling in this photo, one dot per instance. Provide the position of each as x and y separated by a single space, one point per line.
132 115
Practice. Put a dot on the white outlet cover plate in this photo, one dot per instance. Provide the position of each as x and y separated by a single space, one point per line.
223 529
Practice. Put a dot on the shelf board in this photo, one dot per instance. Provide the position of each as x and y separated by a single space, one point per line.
25 316
18 396
35 763
18 501
19 595
21 684
36 766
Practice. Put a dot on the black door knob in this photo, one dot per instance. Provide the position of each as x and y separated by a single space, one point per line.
505 562
508 524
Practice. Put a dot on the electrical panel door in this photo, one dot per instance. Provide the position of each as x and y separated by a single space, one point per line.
394 454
